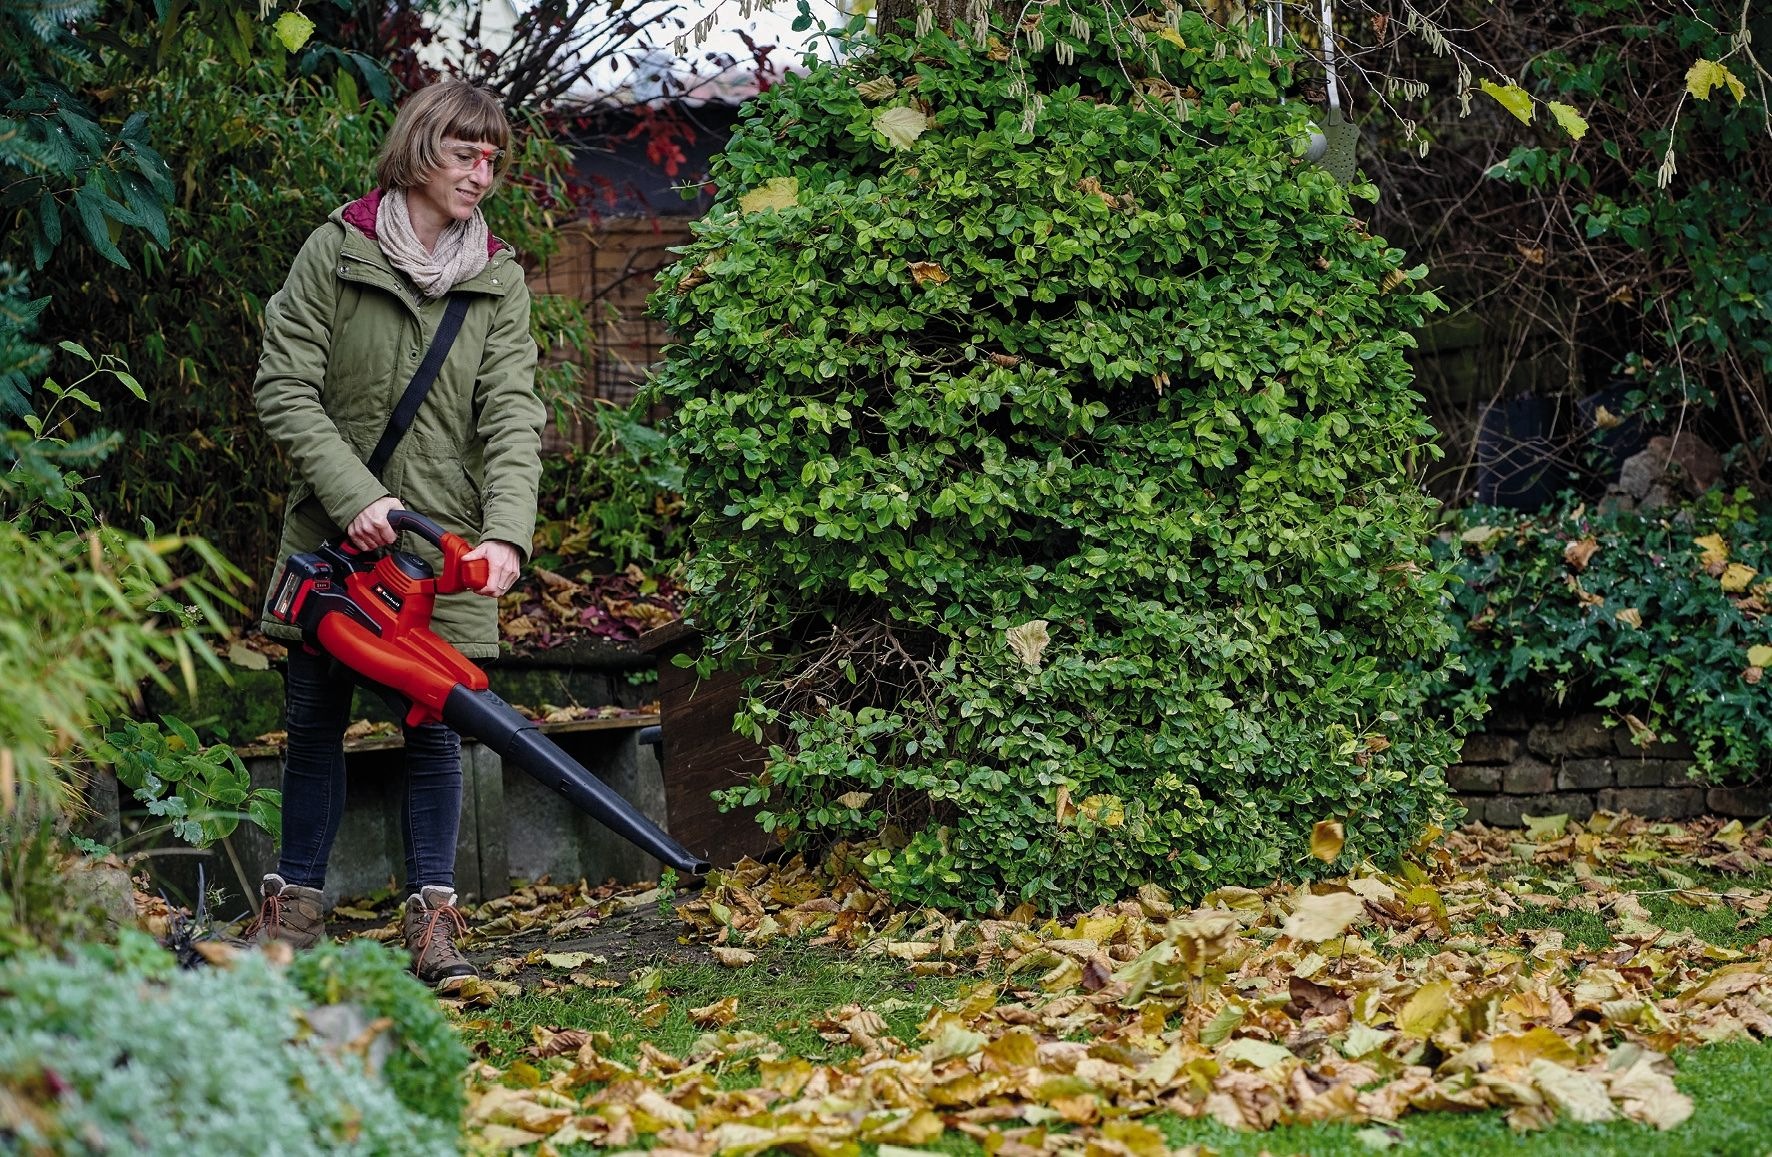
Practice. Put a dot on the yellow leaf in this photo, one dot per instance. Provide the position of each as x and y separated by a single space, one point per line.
1326 840
775 193
951 1040
1629 616
1324 917
1513 98
1716 551
1578 553
1258 1054
1603 418
1522 1048
1737 576
1571 122
716 1015
1705 75
1135 1137
1106 810
901 126
927 272
571 960
1760 656
1029 640
1577 1095
1540 828
1426 1009
878 89
1173 37
1481 537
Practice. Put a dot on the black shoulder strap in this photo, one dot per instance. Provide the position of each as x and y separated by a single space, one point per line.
414 397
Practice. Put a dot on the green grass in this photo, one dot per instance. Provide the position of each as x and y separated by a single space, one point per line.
780 996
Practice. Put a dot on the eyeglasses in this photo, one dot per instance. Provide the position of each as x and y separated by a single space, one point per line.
465 158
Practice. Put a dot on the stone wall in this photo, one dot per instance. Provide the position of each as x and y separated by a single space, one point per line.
1519 766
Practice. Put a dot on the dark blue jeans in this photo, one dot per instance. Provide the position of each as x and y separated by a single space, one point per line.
317 709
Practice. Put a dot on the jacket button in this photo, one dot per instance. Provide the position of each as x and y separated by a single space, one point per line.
412 355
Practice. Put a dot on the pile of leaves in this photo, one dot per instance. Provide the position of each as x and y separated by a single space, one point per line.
1441 987
1659 617
546 609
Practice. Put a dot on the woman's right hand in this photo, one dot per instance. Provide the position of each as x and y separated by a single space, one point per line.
370 528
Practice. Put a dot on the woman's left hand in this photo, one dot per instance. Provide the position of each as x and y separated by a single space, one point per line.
502 564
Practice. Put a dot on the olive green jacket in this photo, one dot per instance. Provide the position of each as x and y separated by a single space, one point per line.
342 340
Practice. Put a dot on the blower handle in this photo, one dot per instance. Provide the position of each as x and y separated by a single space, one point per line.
458 575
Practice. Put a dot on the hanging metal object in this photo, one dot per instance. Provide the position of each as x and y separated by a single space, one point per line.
1342 135
1332 145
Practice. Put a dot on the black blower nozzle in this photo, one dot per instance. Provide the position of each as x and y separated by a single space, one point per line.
495 723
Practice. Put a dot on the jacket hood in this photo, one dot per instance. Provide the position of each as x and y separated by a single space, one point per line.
360 215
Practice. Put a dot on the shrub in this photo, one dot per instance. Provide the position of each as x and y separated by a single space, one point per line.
1049 442
1657 617
113 1051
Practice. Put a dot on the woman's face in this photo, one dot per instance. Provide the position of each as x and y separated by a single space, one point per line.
455 188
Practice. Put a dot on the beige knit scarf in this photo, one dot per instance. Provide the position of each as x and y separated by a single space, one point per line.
459 255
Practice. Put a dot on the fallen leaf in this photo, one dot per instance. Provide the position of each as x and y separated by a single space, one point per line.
716 1015
1327 836
1323 917
775 193
734 957
900 125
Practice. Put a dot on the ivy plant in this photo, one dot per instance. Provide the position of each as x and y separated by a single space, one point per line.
1658 618
1050 448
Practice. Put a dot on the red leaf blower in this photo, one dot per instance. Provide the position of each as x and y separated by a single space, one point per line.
371 610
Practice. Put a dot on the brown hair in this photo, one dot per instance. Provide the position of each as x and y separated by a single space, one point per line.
450 108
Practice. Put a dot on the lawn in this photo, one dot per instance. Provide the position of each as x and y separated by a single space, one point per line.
1588 991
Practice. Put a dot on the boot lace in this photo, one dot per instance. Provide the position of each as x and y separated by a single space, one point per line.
269 919
454 924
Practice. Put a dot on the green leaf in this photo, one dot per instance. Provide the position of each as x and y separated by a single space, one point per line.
293 29
1513 98
901 126
1568 119
1706 75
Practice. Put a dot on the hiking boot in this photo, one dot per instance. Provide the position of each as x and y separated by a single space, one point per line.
291 913
429 924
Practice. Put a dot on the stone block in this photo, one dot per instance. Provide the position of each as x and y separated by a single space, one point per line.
1476 808
1634 772
1658 803
1483 747
1468 778
1740 801
1510 811
1584 774
1528 776
483 776
1625 744
1580 736
547 836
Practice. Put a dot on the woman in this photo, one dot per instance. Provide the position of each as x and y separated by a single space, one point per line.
343 338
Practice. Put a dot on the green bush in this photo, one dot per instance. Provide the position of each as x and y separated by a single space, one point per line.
1059 472
613 502
113 1051
1627 612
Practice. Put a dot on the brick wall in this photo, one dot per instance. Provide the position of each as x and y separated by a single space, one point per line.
1519 766
611 265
